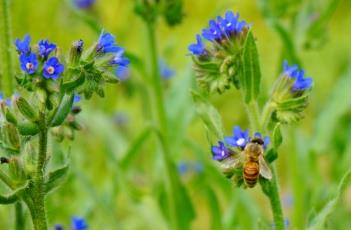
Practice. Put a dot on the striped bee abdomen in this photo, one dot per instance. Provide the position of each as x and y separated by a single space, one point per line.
251 173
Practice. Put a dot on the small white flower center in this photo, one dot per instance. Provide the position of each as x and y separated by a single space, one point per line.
241 141
29 66
222 153
229 24
50 70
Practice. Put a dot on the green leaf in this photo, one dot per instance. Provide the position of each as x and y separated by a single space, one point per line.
251 74
277 136
62 111
209 115
14 196
55 178
320 220
71 85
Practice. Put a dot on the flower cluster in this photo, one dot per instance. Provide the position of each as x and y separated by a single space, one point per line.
237 142
217 64
31 61
290 94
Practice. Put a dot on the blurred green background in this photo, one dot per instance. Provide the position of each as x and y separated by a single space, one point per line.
116 177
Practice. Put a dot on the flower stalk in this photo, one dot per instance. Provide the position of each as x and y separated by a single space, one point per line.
162 121
5 33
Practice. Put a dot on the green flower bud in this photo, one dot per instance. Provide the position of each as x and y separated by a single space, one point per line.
26 109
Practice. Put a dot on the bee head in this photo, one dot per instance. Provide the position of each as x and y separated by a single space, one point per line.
258 140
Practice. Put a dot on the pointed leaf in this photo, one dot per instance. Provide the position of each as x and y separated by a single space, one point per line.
62 111
55 178
251 74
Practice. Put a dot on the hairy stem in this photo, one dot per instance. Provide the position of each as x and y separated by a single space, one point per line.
162 121
20 219
5 33
38 194
272 192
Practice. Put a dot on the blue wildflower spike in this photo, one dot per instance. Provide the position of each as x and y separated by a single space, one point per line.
198 48
52 68
29 63
220 152
266 139
239 139
216 57
45 48
79 223
106 44
23 47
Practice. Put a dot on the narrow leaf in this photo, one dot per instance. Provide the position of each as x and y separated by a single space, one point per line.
55 178
62 111
251 74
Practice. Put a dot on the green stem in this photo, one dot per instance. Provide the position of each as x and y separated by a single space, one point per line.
20 219
6 46
272 192
38 195
161 115
270 188
266 114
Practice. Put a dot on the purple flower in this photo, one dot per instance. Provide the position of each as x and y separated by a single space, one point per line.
29 63
220 152
106 44
122 73
52 68
58 227
266 139
239 138
79 223
83 4
198 48
301 83
23 47
45 48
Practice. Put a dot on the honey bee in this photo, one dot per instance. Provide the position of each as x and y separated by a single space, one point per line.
252 161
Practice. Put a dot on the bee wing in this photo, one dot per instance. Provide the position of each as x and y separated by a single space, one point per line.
232 162
265 171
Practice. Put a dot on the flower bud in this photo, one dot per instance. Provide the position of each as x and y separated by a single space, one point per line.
11 137
76 52
16 169
26 109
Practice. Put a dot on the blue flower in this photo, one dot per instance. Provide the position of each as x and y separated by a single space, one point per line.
119 58
45 48
230 24
165 71
198 48
79 223
23 47
52 68
213 32
198 167
239 138
83 4
122 73
106 44
301 83
76 98
220 152
29 63
266 139
183 167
